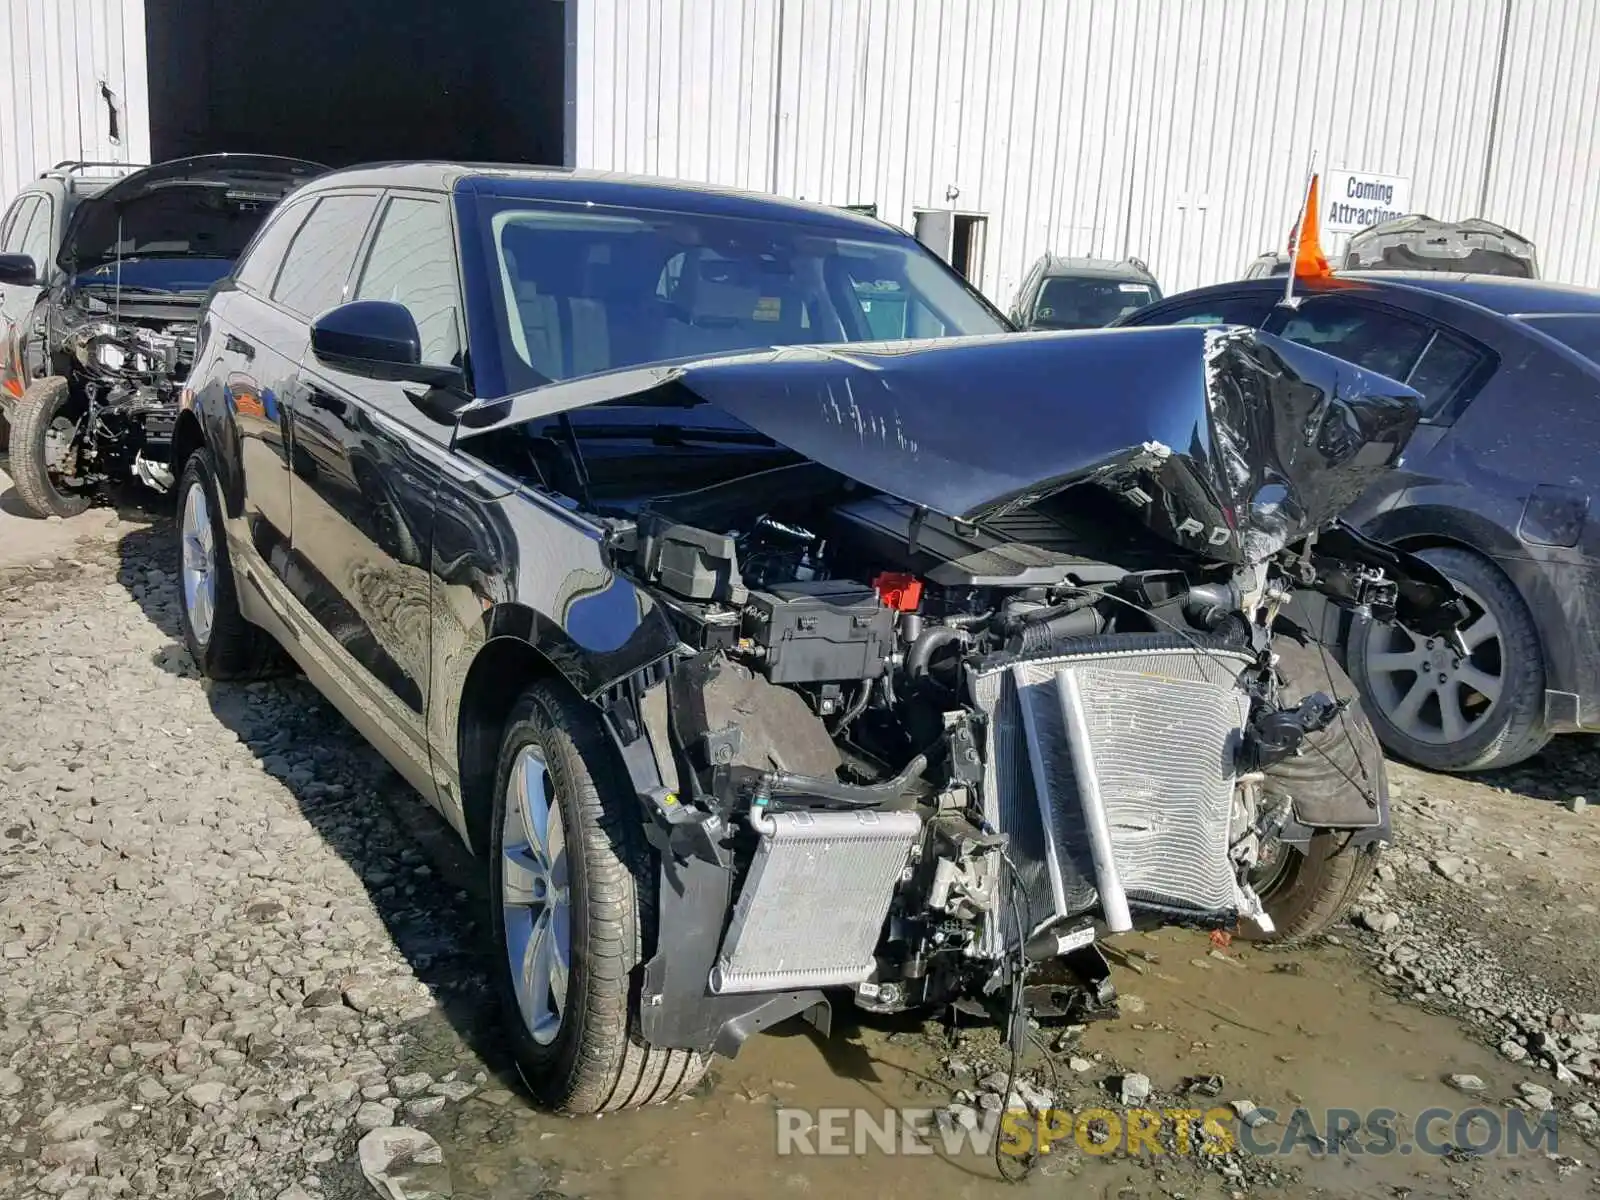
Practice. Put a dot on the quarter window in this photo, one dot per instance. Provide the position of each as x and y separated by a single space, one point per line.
321 254
413 263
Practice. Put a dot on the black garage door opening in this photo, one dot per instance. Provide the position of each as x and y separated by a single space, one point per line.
348 81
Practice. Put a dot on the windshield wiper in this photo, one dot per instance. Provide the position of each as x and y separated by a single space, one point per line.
141 289
674 435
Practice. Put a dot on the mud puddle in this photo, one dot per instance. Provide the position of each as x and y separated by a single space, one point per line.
1294 1030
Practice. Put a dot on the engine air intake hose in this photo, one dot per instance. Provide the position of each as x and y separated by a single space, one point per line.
928 642
1040 637
851 795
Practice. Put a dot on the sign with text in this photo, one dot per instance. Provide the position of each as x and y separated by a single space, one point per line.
1353 200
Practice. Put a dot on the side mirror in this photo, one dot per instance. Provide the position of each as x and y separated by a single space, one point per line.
19 270
377 339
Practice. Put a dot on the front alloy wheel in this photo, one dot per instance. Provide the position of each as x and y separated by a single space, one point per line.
574 911
535 896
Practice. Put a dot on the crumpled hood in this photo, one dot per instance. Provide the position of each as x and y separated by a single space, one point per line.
1227 441
182 200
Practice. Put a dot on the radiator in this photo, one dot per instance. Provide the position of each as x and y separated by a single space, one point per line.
1151 733
813 904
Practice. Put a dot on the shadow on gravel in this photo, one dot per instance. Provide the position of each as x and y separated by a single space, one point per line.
422 883
1569 766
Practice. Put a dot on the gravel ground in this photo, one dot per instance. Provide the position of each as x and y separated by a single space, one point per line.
1489 910
226 953
216 937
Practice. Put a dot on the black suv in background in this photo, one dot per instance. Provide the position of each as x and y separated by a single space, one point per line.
1497 489
1082 293
102 270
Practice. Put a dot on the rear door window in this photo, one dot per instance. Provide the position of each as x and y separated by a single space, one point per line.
321 254
1378 339
1446 375
1445 367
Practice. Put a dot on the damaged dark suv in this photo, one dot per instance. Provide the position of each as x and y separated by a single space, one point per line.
767 666
102 273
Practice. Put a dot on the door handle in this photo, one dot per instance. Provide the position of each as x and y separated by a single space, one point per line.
238 346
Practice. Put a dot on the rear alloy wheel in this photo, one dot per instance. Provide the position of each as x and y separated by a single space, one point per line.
1449 711
219 639
572 882
45 450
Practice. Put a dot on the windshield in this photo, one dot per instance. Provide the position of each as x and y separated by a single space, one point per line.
580 293
1580 331
1066 302
194 221
180 276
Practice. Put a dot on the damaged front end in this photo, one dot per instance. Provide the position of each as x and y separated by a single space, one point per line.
979 677
129 366
120 318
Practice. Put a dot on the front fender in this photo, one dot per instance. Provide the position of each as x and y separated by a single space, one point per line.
587 659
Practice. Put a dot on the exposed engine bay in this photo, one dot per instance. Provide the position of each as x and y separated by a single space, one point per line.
114 332
130 370
968 741
987 670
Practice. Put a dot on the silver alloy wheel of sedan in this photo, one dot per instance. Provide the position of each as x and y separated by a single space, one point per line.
536 896
1426 688
199 563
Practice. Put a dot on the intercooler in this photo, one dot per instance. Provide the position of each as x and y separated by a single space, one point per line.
1112 772
812 906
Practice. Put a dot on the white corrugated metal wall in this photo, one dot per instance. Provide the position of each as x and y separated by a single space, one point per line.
54 57
1546 173
1176 130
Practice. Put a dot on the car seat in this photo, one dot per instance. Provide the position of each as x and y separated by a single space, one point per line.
712 315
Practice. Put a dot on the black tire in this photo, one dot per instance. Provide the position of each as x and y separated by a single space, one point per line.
5 434
1341 773
597 1060
234 649
44 403
1513 728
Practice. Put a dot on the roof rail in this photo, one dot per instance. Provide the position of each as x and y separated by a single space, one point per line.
69 168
